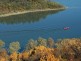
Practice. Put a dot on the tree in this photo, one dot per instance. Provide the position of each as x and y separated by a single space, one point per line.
31 44
50 42
2 44
41 42
14 47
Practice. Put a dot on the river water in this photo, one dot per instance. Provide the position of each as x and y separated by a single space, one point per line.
43 24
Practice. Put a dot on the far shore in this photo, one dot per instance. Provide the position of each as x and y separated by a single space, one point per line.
23 12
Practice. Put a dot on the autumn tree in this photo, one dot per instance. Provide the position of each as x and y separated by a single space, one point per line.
2 44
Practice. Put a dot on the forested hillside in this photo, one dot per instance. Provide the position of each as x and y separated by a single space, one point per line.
7 6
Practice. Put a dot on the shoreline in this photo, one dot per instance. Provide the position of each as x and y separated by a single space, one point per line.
29 11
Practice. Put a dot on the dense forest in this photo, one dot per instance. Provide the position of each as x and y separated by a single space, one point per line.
42 50
7 6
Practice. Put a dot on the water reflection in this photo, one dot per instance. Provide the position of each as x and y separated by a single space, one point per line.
27 18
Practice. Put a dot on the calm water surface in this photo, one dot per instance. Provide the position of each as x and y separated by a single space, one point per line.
43 24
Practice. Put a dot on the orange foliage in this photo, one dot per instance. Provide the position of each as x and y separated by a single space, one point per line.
67 50
3 55
25 55
2 59
20 56
13 56
40 53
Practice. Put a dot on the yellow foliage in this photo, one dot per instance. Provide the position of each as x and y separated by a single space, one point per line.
20 56
13 56
3 55
25 55
41 53
1 43
67 49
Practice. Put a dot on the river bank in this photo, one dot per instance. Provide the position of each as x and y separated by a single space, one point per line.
23 12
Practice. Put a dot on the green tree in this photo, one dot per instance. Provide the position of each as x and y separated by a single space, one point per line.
31 44
14 47
41 42
50 42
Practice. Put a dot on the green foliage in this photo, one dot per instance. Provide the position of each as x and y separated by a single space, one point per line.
40 42
14 47
31 44
50 42
54 5
7 6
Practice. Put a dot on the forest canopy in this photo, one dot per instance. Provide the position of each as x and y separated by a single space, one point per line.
7 6
42 50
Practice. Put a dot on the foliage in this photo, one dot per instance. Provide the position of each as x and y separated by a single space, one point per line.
70 49
40 42
14 47
13 56
2 44
50 42
3 55
31 44
54 5
7 6
44 50
40 53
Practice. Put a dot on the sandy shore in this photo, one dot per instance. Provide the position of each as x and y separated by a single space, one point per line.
17 13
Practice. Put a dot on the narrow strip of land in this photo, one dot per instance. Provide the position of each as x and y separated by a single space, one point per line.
23 12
